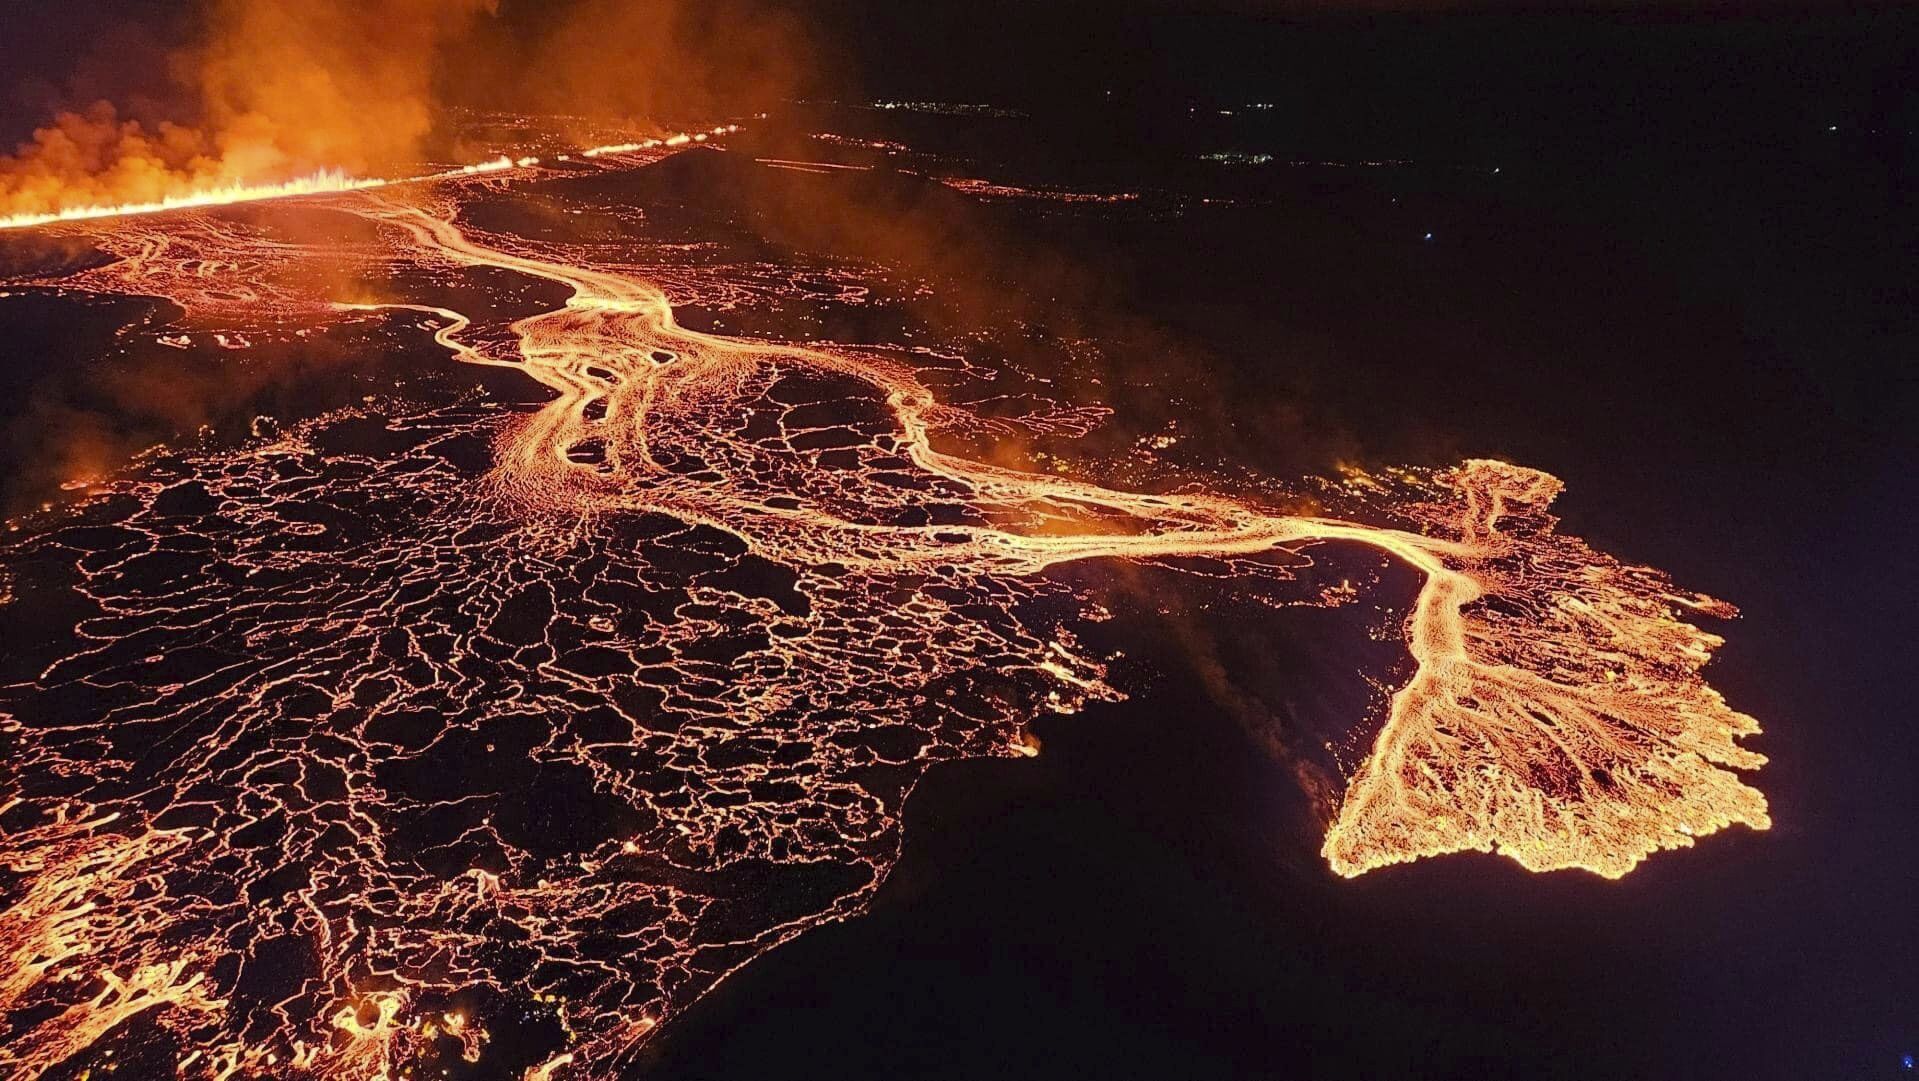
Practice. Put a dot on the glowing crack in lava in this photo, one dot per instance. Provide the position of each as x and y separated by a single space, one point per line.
412 727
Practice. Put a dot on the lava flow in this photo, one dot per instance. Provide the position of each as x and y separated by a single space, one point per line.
412 729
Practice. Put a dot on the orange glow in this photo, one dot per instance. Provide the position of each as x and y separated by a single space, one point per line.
276 93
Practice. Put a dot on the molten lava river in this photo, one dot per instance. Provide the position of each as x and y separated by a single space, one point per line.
358 747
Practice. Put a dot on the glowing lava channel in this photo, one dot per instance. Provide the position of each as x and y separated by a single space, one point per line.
1576 736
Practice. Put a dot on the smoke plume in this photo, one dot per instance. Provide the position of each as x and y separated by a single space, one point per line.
294 84
279 89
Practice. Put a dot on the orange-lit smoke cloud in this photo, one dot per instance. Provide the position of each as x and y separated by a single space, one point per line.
280 88
647 65
347 84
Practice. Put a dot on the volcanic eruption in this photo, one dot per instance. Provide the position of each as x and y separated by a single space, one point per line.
407 725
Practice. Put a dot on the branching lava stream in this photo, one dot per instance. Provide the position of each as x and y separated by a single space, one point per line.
399 730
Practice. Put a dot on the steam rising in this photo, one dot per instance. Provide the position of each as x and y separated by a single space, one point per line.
280 89
290 85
